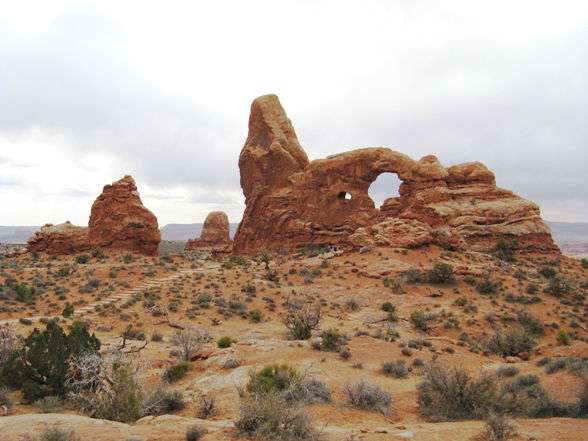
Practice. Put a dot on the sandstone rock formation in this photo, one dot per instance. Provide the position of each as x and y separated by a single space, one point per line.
215 235
118 220
292 202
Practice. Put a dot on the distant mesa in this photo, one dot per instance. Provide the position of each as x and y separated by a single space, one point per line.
118 221
291 201
215 236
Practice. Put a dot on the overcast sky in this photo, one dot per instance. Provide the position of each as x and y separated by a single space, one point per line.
91 91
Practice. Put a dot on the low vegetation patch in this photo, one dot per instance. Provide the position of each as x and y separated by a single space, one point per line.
367 396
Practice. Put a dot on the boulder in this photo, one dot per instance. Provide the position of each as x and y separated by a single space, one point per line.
215 235
291 202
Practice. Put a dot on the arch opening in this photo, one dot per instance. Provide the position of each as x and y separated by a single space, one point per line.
386 185
344 195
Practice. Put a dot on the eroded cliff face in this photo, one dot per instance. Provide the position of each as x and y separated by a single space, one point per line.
215 236
291 202
118 221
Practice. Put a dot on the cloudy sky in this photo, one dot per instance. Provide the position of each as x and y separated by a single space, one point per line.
91 91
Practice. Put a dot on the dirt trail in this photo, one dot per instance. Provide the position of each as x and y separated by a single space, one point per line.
115 298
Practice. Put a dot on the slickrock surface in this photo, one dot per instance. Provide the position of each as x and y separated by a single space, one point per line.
215 235
291 202
118 220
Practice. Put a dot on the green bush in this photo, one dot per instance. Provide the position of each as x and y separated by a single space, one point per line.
225 342
584 263
562 337
83 258
41 366
504 250
547 272
273 378
419 320
68 310
558 286
177 371
441 273
367 396
511 342
332 340
452 393
486 285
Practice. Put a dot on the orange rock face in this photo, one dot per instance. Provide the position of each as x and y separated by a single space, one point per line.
118 220
292 202
215 235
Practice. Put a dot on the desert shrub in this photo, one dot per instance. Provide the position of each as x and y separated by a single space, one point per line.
4 398
525 397
332 340
584 263
391 310
413 276
98 253
507 371
511 342
531 323
106 387
225 342
558 286
498 427
156 336
255 316
352 304
441 273
272 378
83 258
41 366
189 340
486 285
419 320
452 393
406 351
8 344
57 433
230 362
206 408
269 417
49 404
177 371
68 310
302 319
345 354
307 391
504 250
547 272
161 401
552 366
195 432
367 396
562 337
396 369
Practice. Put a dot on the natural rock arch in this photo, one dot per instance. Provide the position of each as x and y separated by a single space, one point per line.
291 201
